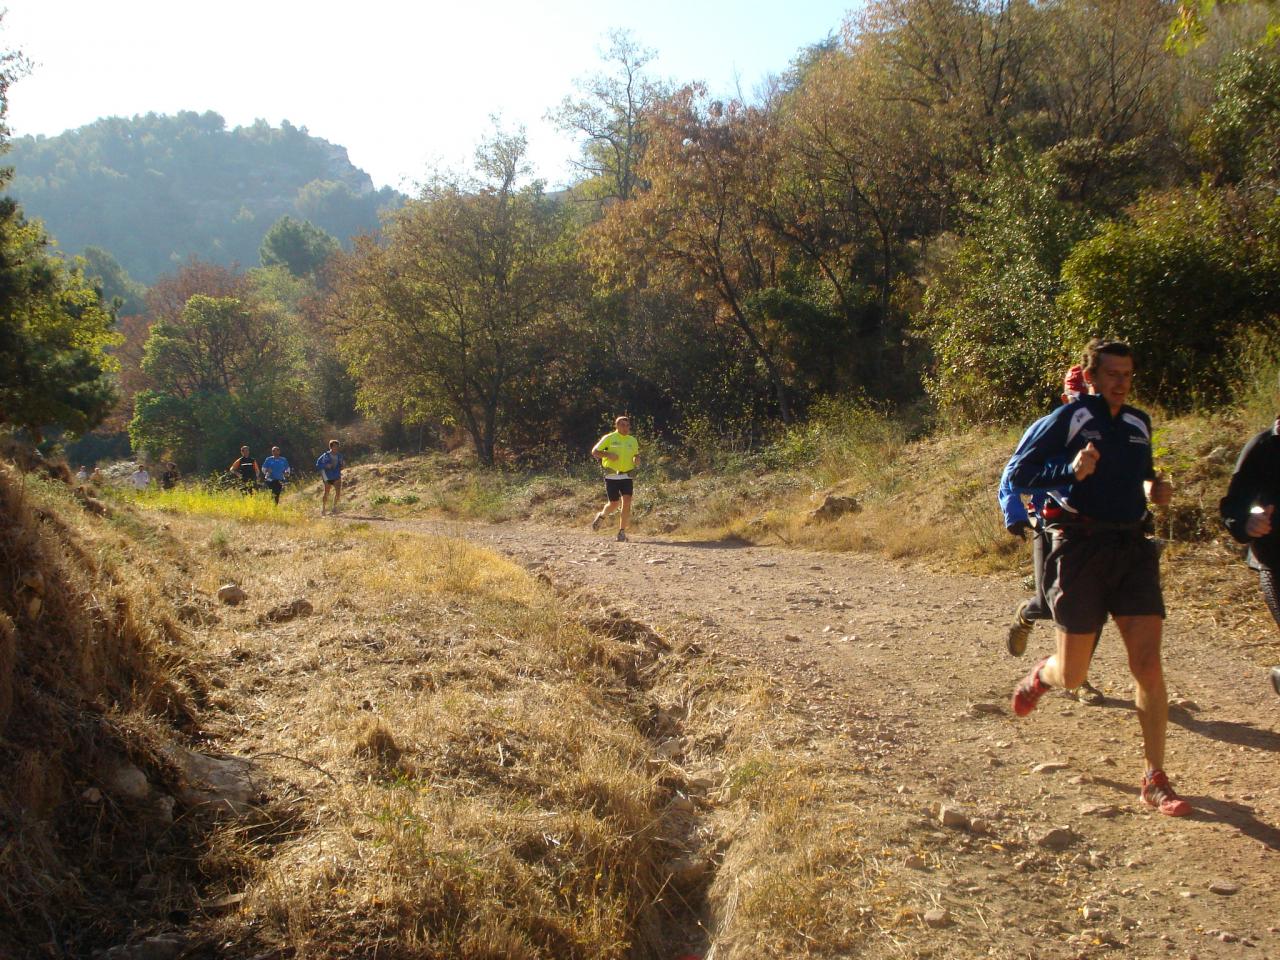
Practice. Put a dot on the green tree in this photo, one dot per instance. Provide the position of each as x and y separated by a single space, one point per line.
1192 281
54 327
991 316
118 288
445 321
610 115
225 372
54 334
297 245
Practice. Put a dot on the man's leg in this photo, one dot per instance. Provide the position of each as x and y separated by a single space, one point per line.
1065 668
337 492
324 496
626 512
1142 638
1037 608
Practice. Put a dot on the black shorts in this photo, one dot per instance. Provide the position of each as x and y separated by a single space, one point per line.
617 489
1090 575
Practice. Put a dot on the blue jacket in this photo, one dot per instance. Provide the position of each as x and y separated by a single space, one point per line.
330 464
1010 497
1114 492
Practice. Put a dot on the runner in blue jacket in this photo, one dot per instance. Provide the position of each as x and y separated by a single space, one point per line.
1100 562
1045 507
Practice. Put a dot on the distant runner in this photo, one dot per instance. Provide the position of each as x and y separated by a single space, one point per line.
1248 511
618 452
330 464
1045 507
1100 561
169 479
245 469
140 479
275 470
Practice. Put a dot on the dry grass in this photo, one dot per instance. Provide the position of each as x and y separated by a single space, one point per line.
469 766
94 674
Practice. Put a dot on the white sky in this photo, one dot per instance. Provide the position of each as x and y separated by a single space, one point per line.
402 86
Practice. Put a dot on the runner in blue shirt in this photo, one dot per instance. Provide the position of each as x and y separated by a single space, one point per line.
330 464
1100 561
276 470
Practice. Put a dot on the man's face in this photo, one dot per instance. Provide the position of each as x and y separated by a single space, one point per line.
244 451
275 451
623 426
1113 380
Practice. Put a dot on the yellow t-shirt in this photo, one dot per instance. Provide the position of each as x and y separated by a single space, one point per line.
624 450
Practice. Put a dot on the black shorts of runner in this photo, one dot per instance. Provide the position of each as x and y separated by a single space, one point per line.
1090 575
617 489
275 486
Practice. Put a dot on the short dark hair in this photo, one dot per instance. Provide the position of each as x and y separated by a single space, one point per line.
1099 347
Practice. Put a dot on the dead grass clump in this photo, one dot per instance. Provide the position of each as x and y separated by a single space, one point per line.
86 644
374 741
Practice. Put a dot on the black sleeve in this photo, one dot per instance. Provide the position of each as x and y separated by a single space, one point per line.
1248 485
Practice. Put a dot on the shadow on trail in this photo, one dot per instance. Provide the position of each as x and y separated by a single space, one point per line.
1211 810
730 544
1224 731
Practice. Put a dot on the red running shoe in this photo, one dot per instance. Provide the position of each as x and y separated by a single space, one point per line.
1157 793
1029 691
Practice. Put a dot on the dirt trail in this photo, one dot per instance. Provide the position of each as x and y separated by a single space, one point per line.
918 658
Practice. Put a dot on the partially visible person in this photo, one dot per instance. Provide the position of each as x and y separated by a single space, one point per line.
330 464
275 469
1045 507
82 474
96 477
246 471
618 452
1101 561
140 479
1248 511
169 479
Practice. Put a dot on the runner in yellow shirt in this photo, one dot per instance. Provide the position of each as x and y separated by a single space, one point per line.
618 453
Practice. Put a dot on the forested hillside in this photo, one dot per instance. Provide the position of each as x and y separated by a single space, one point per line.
157 190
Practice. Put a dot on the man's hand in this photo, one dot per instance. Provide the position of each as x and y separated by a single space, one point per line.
1259 524
1160 492
1086 461
1019 529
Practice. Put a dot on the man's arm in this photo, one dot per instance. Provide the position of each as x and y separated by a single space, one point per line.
1244 489
1040 461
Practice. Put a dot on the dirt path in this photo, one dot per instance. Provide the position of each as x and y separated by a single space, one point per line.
919 658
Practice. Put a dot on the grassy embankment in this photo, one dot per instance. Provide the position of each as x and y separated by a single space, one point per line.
452 760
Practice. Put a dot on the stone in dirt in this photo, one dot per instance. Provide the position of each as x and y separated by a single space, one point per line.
1053 766
981 709
1224 888
951 817
231 593
213 784
283 612
938 918
1100 810
128 781
1058 838
154 948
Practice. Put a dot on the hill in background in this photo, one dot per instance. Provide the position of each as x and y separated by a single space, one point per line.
155 190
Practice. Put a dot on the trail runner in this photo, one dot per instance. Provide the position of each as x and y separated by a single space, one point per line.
1248 510
330 464
245 469
1100 561
1045 507
618 452
275 470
